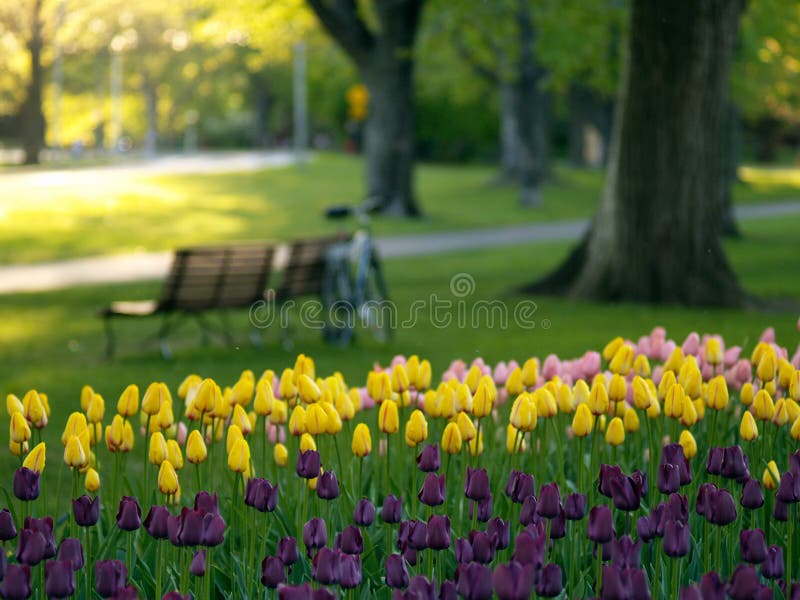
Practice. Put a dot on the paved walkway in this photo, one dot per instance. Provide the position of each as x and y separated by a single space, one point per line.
154 265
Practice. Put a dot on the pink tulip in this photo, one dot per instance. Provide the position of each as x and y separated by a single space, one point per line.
692 344
658 332
658 373
743 371
366 400
399 359
707 371
643 346
502 396
182 433
732 355
590 363
768 335
667 348
796 358
500 374
551 367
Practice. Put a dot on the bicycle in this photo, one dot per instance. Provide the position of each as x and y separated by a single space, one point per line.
354 289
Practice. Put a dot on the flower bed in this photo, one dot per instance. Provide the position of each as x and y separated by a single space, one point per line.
637 472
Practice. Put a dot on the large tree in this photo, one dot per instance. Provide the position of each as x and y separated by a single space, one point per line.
379 38
656 236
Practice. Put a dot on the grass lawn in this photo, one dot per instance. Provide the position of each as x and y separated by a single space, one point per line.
53 217
53 341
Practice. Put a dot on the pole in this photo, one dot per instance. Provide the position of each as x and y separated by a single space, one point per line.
300 102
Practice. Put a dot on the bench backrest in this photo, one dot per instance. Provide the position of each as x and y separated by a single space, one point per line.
217 277
305 268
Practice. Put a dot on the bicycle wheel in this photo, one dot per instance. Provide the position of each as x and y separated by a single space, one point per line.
337 303
377 313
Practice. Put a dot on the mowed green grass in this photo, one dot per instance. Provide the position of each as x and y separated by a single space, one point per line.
54 341
55 216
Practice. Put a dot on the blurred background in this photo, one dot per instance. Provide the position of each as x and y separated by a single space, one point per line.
485 129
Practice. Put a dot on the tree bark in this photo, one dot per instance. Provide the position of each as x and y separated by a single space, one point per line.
509 137
531 106
32 116
730 175
588 109
385 59
656 236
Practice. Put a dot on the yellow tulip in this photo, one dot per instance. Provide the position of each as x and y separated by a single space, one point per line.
128 404
463 398
196 451
580 392
286 388
423 380
466 427
308 389
692 383
781 415
617 388
615 432
688 412
654 410
668 379
763 408
13 404
795 430
748 429
297 422
523 413
582 422
446 402
241 420
641 366
412 369
381 387
564 399
747 394
76 423
675 360
792 409
514 384
771 476
265 399
167 479
622 361
713 351
717 393
242 391
334 423
451 439
598 398
280 455
514 444
239 457
165 417
673 402
188 387
631 421
399 379
484 398
771 387
34 410
611 348
767 366
127 437
303 365
345 407
699 408
36 458
416 430
114 433
361 444
96 410
157 451
475 445
530 372
785 372
794 386
642 396
545 403
74 456
388 419
688 443
151 400
92 481
307 442
19 431
315 419
174 454
280 412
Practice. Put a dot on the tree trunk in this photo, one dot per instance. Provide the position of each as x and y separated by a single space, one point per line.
31 113
531 108
509 137
656 236
730 175
151 110
389 133
589 115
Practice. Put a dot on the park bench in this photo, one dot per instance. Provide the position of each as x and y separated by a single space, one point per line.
217 278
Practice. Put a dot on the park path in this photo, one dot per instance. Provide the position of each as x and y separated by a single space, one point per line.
154 265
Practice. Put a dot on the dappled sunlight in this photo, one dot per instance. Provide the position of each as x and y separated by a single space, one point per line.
764 178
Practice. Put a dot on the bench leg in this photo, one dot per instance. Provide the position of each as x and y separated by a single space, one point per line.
163 331
110 340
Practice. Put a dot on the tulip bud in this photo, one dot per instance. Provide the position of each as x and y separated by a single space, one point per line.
152 399
280 455
451 439
239 457
675 360
545 403
484 398
157 451
530 373
286 387
33 409
174 455
781 415
362 441
771 476
196 452
747 393
423 379
668 379
622 361
265 399
315 419
92 481
717 393
74 455
19 431
13 404
388 419
128 404
748 429
475 445
631 421
615 432
514 383
416 430
582 422
308 389
673 402
641 366
617 388
767 365
523 413
763 408
167 479
654 410
612 347
307 442
297 422
687 441
688 412
466 427
35 459
794 386
795 430
598 398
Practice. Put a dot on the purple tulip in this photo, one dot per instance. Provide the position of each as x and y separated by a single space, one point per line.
186 529
734 464
482 547
438 532
155 523
476 486
315 534
500 532
325 566
551 581
608 473
129 592
463 551
772 567
45 527
744 583
626 492
328 486
720 507
350 540
349 571
704 492
529 549
322 594
600 528
30 547
261 494
410 556
173 595
714 461
669 479
645 529
484 509
752 496
789 489
520 485
712 587
417 534
447 590
615 585
71 551
558 526
396 571
86 510
3 565
421 588
206 503
308 464
295 592
287 551
429 459
513 581
364 513
26 484
17 583
527 513
213 530
753 545
198 566
676 539
625 553
673 454
677 508
549 503
129 514
638 583
474 581
8 531
433 490
392 510
273 572
109 576
691 592
780 511
575 506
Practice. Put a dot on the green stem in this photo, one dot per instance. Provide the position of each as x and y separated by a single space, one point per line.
159 568
388 483
789 533
599 577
